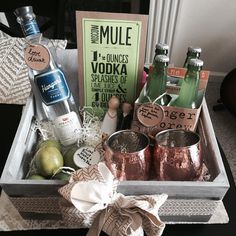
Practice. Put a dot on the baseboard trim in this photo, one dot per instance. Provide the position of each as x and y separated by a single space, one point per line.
218 74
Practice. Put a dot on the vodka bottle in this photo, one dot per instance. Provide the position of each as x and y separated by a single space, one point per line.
48 81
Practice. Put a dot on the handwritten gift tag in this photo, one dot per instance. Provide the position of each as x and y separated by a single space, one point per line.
150 114
37 57
86 156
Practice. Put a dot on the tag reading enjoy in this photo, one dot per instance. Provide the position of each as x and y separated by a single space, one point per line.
37 57
150 114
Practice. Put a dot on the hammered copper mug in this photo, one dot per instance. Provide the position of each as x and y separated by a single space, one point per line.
127 155
178 155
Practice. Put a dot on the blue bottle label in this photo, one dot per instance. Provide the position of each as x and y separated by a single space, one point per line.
31 27
52 86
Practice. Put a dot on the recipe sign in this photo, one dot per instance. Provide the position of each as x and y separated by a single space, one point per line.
111 49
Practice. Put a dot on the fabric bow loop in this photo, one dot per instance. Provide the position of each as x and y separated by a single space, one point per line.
93 190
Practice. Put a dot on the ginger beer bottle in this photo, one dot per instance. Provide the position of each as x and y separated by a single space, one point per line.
156 81
192 53
189 89
161 49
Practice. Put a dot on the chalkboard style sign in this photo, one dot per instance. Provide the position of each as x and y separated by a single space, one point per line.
111 49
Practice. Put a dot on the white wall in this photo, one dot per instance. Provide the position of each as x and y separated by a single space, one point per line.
210 24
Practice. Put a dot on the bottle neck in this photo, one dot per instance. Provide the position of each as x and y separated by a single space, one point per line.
191 55
194 71
161 52
156 84
160 68
30 28
189 88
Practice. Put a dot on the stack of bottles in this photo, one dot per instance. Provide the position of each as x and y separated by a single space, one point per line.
155 88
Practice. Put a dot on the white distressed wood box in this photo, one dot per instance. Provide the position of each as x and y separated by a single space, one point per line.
188 201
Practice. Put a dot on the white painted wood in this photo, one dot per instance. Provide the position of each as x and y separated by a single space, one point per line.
161 26
14 169
19 145
151 20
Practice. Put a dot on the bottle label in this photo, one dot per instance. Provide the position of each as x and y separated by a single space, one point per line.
30 27
67 128
37 57
52 86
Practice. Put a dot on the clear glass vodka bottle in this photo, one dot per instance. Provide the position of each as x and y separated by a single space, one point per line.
49 84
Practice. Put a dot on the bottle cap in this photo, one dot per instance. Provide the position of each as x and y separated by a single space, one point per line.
162 46
26 12
194 49
196 62
162 58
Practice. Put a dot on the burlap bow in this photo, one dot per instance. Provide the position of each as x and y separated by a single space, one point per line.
96 204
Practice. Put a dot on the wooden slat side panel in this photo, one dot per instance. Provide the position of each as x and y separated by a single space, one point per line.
175 189
13 163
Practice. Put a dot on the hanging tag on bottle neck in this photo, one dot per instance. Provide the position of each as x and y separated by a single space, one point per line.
37 57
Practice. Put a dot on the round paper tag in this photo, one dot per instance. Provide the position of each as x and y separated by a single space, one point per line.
37 57
150 114
86 156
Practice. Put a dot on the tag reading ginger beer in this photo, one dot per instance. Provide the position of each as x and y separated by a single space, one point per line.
37 57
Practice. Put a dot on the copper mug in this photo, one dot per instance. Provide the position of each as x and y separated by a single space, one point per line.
178 155
127 155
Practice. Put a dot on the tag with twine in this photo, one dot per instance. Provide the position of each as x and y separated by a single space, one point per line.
92 201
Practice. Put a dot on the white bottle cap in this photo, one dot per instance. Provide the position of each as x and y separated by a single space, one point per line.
196 62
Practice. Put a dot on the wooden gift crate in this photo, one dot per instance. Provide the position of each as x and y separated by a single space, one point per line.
188 201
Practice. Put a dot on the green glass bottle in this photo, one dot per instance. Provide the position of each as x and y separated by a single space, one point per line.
156 82
192 53
161 49
189 89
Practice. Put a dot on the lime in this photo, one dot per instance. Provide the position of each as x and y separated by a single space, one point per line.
62 176
36 177
69 158
50 143
48 160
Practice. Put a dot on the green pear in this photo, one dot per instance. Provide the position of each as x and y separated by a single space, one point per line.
48 160
50 143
